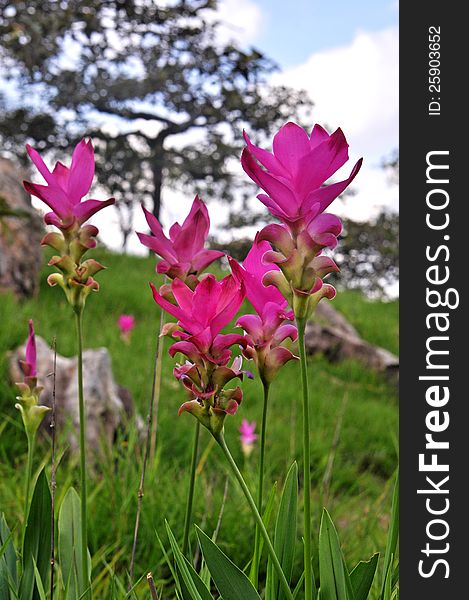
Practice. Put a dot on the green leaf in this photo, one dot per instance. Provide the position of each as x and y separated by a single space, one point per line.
335 581
285 534
37 541
362 577
393 535
266 518
40 587
231 582
194 584
8 575
387 586
69 544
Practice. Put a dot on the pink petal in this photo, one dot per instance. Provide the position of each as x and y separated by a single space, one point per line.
318 135
31 351
186 348
321 163
252 324
225 341
165 305
329 193
274 208
206 298
183 294
84 210
266 158
159 242
204 258
40 165
290 144
282 195
81 171
53 196
61 173
284 332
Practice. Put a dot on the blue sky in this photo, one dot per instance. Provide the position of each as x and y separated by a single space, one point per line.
291 31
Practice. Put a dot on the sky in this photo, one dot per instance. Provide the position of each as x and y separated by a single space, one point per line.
345 55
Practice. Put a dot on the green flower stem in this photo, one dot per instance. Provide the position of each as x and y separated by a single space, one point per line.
190 494
29 476
281 575
81 404
301 323
254 575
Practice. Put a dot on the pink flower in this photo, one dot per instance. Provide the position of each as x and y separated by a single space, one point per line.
201 315
246 430
66 186
32 412
267 330
28 366
184 252
293 175
126 323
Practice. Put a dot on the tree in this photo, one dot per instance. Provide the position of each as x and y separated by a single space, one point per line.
164 99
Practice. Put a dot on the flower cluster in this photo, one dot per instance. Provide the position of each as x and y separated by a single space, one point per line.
28 401
63 194
266 330
293 177
201 315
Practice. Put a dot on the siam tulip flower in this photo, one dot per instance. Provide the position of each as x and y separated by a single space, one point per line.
126 323
28 402
293 177
247 436
294 174
266 330
65 189
183 253
201 315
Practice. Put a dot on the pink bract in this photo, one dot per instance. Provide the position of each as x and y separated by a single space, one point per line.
66 186
293 175
184 252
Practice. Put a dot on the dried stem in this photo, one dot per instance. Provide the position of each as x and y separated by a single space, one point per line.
151 585
157 387
141 488
52 477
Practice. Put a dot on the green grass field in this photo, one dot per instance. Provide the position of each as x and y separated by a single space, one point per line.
358 493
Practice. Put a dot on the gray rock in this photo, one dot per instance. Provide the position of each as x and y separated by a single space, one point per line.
21 231
332 335
108 406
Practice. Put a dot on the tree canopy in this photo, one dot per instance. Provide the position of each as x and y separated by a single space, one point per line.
153 84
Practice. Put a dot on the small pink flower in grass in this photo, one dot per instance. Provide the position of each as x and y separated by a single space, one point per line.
66 186
28 401
201 315
126 323
267 330
293 177
247 436
183 254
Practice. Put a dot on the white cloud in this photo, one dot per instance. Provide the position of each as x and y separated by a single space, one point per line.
356 87
241 20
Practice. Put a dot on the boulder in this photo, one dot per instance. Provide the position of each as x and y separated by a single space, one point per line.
21 231
109 407
332 335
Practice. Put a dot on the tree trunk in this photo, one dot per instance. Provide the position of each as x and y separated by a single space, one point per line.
157 170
